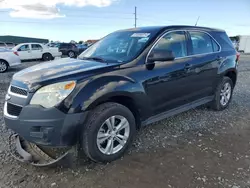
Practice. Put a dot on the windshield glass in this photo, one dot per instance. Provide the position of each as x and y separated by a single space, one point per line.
121 46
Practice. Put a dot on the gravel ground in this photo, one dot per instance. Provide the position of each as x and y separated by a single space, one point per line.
198 148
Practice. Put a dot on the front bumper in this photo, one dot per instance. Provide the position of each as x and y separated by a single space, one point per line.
46 127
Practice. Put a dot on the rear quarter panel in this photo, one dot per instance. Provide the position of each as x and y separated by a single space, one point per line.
10 57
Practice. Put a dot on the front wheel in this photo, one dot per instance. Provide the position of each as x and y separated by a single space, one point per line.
108 132
223 94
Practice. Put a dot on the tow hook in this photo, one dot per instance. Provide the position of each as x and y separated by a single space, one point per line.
35 155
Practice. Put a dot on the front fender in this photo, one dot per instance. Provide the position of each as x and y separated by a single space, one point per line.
98 90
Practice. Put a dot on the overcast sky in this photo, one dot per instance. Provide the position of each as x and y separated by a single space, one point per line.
65 20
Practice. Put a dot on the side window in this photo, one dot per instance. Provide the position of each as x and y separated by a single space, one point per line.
63 45
202 43
24 48
215 46
175 42
36 47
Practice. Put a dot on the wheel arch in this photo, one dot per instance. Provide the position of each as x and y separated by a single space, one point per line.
47 53
124 100
232 74
5 61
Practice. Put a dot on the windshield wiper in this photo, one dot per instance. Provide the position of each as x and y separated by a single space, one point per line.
94 58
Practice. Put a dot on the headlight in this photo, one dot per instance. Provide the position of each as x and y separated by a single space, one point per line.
51 95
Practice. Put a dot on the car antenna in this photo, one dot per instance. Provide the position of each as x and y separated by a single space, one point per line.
197 20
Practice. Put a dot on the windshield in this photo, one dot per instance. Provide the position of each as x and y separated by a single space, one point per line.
121 46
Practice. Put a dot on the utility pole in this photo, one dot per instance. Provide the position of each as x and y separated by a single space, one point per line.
135 17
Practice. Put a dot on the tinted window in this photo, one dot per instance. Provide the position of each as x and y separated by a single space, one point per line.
36 47
201 42
64 45
175 42
24 48
225 42
216 47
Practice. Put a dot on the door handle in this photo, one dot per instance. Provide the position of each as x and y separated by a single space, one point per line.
219 58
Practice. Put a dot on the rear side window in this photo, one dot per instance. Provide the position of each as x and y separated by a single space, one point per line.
224 41
36 47
201 42
216 47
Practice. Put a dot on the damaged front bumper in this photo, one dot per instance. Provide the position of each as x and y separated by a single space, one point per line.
35 155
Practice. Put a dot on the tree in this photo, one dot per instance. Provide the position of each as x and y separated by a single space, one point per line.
80 42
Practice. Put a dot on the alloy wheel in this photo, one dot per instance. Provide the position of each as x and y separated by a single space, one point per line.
225 94
71 54
3 66
113 135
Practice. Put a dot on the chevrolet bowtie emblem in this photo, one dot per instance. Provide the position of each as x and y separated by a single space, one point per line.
7 97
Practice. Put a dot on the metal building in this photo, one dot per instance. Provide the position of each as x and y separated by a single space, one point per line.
18 40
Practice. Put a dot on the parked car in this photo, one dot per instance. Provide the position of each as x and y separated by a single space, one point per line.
68 49
3 45
28 51
10 45
82 48
8 58
127 80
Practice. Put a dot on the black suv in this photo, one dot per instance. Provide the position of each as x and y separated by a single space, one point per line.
129 79
68 49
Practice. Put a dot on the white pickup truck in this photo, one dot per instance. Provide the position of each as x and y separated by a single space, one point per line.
8 58
29 51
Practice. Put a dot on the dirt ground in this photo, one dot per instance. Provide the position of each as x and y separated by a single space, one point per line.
198 148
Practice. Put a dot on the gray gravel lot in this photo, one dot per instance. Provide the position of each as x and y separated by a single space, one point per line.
198 148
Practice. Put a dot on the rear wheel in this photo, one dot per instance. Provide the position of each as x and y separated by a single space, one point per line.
108 133
71 54
47 57
3 66
223 94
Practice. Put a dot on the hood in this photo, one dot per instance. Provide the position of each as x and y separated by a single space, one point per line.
56 69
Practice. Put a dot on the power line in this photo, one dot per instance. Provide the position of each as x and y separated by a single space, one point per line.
54 23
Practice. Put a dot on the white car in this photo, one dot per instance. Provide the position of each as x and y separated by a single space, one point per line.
8 58
29 51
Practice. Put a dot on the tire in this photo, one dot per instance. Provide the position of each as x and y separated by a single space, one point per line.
217 103
3 66
71 54
96 123
47 57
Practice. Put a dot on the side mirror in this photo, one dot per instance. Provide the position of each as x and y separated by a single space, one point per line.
160 55
19 50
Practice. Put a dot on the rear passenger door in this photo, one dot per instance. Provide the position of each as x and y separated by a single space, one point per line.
37 51
204 52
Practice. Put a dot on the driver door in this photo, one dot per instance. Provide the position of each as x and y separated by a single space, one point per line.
168 85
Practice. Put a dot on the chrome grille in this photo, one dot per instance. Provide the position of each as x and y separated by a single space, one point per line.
18 90
13 109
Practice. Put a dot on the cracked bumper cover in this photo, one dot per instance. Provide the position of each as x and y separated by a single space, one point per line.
48 127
